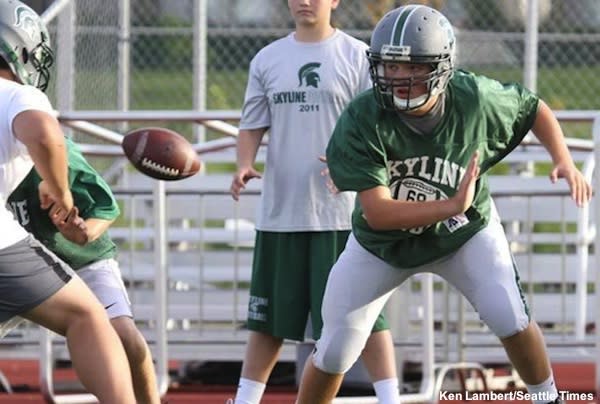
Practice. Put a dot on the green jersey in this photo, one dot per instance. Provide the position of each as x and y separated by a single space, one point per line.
91 195
372 147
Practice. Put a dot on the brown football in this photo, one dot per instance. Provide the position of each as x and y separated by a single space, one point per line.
161 153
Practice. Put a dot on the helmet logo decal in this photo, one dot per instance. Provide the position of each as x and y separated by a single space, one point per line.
445 24
308 76
27 21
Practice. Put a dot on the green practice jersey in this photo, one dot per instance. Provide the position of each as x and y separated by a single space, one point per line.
372 147
91 195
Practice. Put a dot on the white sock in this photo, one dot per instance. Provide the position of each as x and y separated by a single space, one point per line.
249 392
544 392
387 391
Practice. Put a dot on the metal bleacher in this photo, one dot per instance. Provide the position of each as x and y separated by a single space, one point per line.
208 241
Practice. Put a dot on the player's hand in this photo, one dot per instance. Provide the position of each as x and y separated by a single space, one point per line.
466 190
581 190
240 179
60 205
74 228
328 181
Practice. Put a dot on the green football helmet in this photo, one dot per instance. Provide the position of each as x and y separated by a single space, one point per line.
411 34
25 44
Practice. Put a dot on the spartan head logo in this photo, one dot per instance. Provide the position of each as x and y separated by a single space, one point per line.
308 76
27 21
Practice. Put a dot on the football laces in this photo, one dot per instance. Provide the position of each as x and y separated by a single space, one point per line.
173 172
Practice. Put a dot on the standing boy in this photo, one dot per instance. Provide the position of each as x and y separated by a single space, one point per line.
297 88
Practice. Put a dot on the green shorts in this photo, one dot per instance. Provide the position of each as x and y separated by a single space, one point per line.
289 274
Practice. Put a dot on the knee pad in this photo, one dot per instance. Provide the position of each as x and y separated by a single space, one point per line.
504 314
337 352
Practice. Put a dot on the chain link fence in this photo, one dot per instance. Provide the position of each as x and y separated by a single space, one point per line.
491 39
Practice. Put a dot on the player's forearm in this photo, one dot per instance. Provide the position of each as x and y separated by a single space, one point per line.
247 146
45 142
96 227
382 212
548 131
395 215
50 162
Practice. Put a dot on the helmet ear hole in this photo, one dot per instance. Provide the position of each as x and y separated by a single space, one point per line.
24 55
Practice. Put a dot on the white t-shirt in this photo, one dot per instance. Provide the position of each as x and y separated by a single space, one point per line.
299 90
15 162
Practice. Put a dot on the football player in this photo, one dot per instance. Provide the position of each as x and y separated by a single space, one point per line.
83 242
416 149
34 283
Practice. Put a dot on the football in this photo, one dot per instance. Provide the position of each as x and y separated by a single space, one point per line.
161 153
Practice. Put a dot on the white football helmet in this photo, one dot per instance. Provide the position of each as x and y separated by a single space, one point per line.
25 44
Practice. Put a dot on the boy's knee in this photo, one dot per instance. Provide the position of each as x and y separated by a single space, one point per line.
337 353
132 340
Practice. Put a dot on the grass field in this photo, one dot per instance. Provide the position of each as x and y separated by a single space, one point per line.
563 88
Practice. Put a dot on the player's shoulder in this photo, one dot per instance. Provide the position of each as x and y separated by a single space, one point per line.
362 109
485 94
465 80
466 85
364 102
16 97
476 84
10 89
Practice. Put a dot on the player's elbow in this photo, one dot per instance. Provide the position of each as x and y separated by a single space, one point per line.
97 227
376 220
377 205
